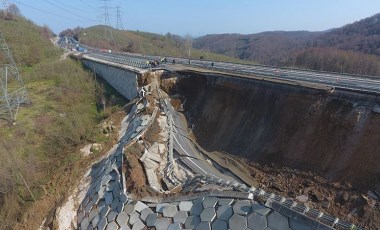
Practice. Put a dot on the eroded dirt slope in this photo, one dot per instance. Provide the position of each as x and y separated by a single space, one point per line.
333 134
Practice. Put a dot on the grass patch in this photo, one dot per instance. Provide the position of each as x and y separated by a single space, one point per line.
48 133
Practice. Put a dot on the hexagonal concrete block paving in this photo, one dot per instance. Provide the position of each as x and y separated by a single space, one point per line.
257 221
108 198
160 207
162 224
192 222
138 225
151 219
180 217
242 207
199 200
237 222
129 208
219 225
94 212
174 226
139 206
208 214
144 213
204 226
124 227
260 209
102 223
210 202
170 211
185 206
95 221
224 212
134 218
112 226
85 222
276 221
111 215
225 201
122 218
196 210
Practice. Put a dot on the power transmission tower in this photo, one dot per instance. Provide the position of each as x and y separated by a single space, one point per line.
107 24
119 22
12 89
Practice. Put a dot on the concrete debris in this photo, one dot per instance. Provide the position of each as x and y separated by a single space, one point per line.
86 150
302 198
96 147
373 195
225 202
90 148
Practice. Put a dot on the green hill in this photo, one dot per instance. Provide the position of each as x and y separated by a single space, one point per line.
41 148
28 42
146 43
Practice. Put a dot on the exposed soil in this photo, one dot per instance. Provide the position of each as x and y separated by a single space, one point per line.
335 135
330 138
136 180
334 198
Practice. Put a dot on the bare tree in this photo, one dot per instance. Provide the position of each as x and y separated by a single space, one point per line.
13 10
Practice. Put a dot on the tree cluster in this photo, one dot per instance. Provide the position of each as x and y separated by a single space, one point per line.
10 13
336 60
72 32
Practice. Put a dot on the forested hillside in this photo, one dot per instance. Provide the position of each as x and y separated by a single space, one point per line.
353 48
271 48
362 36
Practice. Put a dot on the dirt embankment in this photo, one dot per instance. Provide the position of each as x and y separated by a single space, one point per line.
333 134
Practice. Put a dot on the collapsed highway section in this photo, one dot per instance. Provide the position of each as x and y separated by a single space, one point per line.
162 157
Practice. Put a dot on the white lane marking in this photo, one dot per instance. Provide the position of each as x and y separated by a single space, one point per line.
191 160
188 155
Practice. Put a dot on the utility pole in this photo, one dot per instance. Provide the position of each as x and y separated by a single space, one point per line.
189 44
107 25
119 22
12 89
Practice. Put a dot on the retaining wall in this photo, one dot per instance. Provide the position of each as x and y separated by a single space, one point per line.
123 80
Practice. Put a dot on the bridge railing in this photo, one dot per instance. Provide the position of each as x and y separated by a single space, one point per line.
124 61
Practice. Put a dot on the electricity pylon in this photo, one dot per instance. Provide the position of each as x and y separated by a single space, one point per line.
119 22
12 89
107 25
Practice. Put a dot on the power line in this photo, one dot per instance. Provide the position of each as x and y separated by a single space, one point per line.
60 7
88 5
70 7
45 11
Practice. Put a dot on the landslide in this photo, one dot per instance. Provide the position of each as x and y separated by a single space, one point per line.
332 134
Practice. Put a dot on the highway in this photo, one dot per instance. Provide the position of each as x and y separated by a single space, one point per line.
365 84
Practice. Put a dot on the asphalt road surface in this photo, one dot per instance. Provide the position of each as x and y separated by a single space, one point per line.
186 148
366 84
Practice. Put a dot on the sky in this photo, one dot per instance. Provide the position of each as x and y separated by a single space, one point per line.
200 17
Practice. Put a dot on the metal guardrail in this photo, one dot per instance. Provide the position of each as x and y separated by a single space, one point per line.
249 70
123 61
